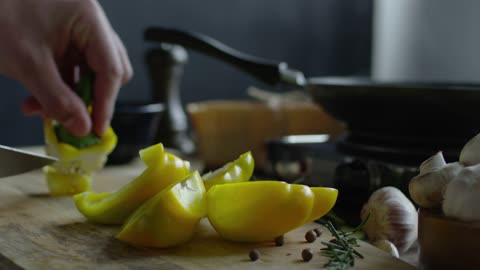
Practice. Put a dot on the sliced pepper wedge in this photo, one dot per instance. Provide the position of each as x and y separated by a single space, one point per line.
259 211
169 218
150 155
239 170
72 173
324 201
115 207
60 184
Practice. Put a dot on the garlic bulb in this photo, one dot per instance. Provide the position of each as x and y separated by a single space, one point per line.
462 195
387 246
392 217
428 187
470 154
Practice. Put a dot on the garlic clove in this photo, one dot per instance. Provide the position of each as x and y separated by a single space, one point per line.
452 170
392 217
427 188
462 195
387 246
470 154
434 163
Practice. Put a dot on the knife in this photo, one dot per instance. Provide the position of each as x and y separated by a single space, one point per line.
15 161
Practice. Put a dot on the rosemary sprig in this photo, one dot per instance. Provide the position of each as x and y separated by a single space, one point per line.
341 251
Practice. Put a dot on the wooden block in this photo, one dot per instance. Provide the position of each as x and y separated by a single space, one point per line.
43 232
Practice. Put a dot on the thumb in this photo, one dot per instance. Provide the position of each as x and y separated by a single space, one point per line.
56 99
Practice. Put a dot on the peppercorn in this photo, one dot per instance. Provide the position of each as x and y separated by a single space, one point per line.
279 241
318 231
310 236
307 254
254 255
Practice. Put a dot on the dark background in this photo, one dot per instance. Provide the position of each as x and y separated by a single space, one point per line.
325 37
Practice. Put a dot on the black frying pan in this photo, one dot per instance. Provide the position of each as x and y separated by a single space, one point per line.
407 114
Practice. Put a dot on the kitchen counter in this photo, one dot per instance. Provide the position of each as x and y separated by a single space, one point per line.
43 232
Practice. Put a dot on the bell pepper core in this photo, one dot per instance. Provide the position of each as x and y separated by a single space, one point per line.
78 157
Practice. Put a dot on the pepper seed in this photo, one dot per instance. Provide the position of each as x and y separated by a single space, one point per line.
279 241
254 255
307 254
310 236
318 231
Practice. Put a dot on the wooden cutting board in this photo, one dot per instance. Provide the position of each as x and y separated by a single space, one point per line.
42 232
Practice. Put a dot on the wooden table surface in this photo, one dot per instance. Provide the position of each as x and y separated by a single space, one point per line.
42 232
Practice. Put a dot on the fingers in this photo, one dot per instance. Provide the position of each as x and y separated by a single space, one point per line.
83 26
107 57
106 88
31 106
127 66
53 98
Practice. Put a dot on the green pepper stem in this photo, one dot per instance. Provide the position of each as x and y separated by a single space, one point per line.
84 86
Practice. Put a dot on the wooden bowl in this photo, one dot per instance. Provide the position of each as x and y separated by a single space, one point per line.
447 243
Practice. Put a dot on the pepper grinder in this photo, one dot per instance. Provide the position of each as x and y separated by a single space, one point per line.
165 65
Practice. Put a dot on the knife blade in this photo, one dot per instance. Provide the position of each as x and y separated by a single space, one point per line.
16 161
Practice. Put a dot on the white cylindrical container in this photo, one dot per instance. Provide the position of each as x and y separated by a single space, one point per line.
426 40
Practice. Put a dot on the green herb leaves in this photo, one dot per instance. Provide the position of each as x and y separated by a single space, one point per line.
341 250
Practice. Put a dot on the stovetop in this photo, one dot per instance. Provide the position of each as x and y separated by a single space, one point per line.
355 167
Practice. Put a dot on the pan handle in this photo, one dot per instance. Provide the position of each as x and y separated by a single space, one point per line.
264 70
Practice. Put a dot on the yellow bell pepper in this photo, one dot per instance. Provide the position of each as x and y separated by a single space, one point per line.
239 170
262 210
61 184
169 218
72 173
151 155
115 207
324 200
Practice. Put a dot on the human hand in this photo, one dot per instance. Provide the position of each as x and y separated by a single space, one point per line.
40 44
